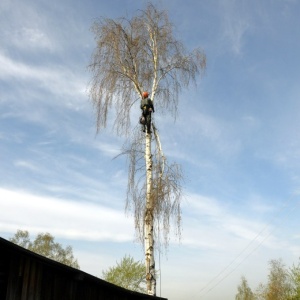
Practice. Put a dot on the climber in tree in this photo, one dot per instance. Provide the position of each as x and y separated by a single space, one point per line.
147 108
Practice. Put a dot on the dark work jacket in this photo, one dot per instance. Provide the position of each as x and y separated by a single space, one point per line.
146 104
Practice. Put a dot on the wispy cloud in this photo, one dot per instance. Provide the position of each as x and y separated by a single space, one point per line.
203 132
54 78
258 204
235 24
216 225
26 164
71 177
29 38
63 218
109 149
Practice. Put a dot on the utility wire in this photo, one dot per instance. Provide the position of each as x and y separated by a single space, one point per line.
243 251
229 273
159 273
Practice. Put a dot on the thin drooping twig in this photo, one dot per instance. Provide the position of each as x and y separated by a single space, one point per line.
132 56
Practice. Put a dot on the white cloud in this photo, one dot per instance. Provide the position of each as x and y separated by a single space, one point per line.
62 218
27 165
210 224
258 204
235 31
28 38
109 149
57 80
222 133
235 24
29 29
205 206
204 132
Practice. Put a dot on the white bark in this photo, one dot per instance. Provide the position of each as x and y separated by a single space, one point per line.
160 155
133 56
149 240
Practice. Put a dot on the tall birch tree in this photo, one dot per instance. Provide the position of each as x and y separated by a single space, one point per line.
132 56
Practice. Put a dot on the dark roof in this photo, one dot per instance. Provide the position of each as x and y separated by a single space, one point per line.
10 249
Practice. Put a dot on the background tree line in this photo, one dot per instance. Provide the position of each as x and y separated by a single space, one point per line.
283 284
127 273
45 245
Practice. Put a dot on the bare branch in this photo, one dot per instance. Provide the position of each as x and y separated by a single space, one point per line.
166 188
136 55
132 56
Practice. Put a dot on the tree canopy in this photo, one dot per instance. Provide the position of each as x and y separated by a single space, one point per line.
128 273
132 56
283 284
136 55
44 244
244 291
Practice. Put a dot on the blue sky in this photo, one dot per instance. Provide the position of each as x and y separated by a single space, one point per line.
236 137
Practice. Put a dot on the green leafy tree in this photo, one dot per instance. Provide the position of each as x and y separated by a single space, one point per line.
294 274
244 291
283 284
44 244
278 287
128 273
261 292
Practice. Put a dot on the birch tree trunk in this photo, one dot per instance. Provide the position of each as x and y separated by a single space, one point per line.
132 56
149 221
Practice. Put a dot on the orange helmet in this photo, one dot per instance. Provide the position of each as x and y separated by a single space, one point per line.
145 94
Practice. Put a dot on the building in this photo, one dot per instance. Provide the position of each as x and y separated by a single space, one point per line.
25 275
